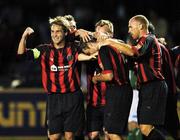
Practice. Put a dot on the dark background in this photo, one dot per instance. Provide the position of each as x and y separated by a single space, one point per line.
16 15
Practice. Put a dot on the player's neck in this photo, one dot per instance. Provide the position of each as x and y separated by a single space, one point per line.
143 33
59 45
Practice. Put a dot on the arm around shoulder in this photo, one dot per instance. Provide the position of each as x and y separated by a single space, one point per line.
122 47
85 57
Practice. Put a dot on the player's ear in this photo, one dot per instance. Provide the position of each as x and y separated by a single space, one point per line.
140 26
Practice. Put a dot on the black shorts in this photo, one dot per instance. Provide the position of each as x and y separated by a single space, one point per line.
65 112
95 118
117 108
152 103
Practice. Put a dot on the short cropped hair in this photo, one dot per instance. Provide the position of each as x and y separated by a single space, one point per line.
142 19
151 28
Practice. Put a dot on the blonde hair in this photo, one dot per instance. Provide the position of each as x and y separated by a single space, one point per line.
69 17
61 21
102 22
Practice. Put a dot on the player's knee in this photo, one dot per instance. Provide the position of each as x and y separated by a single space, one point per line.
93 135
146 129
132 125
54 137
115 137
68 136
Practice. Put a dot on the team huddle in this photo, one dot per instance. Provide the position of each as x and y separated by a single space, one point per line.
109 93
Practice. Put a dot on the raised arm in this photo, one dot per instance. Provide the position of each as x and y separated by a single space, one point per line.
22 43
122 47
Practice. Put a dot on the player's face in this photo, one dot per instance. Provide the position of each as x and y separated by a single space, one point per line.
57 33
72 25
102 29
134 30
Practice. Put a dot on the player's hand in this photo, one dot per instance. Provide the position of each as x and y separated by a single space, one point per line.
162 41
94 80
28 31
85 35
101 36
94 56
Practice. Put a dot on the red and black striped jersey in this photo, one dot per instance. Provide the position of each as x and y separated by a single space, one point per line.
95 92
59 67
175 55
149 59
111 61
168 69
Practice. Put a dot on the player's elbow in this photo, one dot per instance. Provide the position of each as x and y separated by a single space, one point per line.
131 53
109 76
20 53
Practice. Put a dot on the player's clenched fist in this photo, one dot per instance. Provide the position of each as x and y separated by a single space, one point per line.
28 31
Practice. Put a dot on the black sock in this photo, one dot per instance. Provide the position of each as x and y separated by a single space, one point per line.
79 137
156 135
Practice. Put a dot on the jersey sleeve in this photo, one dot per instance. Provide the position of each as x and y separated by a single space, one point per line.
32 54
143 46
104 60
146 46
